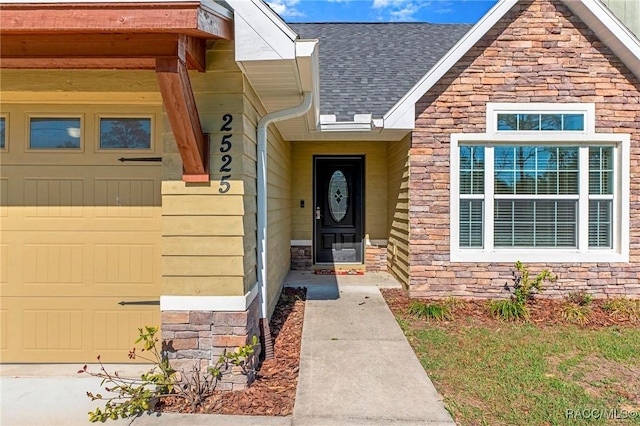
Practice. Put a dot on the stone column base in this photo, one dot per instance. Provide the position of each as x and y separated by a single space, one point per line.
198 338
301 258
376 258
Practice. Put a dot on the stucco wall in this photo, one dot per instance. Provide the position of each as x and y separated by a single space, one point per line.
375 183
538 53
398 209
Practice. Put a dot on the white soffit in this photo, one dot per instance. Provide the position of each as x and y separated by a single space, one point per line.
592 12
279 66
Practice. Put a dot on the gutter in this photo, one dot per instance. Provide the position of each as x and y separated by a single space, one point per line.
263 124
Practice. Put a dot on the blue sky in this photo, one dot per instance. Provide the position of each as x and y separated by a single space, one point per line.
435 11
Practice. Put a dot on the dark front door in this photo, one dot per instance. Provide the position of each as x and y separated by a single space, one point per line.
338 209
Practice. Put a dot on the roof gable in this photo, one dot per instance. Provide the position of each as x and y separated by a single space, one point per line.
592 12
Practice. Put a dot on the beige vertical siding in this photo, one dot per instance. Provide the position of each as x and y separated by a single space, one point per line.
398 210
628 11
375 183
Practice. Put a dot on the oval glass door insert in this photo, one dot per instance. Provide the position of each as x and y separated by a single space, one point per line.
338 195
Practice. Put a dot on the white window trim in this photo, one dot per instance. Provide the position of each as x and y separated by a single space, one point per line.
493 109
620 250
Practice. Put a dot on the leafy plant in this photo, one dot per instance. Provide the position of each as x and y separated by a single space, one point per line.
429 311
523 289
509 310
454 303
623 307
130 397
576 313
579 298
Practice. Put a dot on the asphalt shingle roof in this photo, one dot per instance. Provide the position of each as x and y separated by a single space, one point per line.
365 68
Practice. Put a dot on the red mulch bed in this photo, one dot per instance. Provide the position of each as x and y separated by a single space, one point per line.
273 392
543 312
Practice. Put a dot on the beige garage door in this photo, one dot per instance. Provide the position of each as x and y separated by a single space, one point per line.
81 231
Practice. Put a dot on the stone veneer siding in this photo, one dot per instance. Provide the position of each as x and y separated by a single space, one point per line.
376 258
539 52
301 259
200 337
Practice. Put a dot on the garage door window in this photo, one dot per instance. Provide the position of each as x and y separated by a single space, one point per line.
125 133
55 133
3 133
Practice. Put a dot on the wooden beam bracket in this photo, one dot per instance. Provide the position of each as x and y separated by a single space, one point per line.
200 177
180 106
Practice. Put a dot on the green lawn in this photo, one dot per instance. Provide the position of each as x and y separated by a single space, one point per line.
519 374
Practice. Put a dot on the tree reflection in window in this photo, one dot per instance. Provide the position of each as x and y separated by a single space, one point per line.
125 133
3 129
536 170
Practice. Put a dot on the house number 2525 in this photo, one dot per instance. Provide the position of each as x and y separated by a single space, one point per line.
225 147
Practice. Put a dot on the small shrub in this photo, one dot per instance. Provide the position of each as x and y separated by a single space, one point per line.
523 289
623 307
579 298
576 313
130 397
429 311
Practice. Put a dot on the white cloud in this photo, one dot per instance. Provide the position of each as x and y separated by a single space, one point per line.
285 8
405 13
377 4
405 10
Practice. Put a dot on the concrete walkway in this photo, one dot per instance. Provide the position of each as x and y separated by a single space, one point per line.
356 368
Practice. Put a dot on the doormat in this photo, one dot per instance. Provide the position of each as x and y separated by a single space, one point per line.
338 272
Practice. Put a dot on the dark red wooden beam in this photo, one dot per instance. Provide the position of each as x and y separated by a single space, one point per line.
180 106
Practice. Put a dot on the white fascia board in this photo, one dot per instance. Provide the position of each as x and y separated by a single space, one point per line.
209 303
346 126
610 30
402 114
308 63
260 34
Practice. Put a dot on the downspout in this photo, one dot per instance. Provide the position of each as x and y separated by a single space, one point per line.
263 124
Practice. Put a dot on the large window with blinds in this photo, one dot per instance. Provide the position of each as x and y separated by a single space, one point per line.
539 192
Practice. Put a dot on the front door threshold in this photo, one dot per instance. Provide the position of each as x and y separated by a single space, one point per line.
339 269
